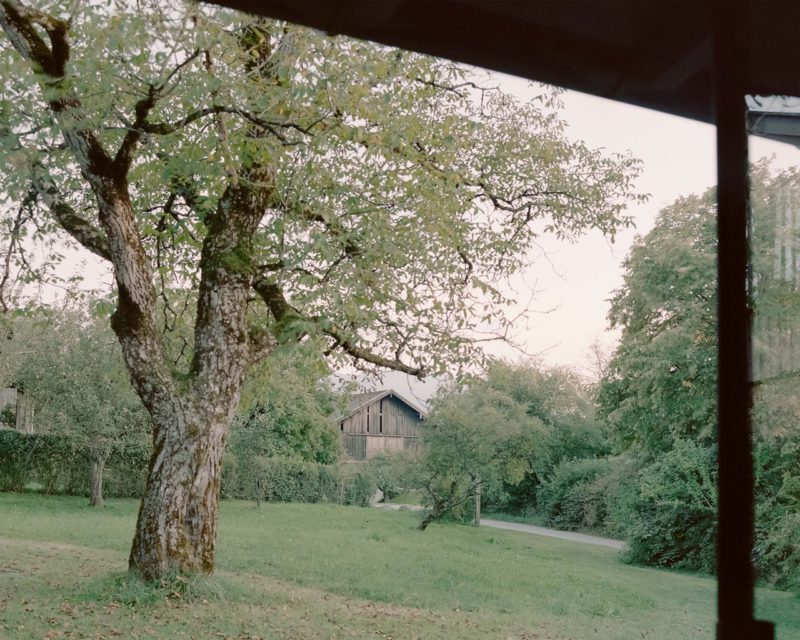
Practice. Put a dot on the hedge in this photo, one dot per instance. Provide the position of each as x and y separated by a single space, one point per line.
265 479
57 465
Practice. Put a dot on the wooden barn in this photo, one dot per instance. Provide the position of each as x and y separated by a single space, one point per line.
15 411
380 421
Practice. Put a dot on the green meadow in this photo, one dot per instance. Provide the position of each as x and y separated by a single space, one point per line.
325 571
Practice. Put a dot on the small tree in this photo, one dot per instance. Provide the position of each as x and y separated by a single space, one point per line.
72 371
474 440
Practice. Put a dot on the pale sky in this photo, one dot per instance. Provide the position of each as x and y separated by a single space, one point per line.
576 280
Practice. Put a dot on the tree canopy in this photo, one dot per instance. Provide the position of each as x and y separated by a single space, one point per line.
364 200
659 392
71 371
502 433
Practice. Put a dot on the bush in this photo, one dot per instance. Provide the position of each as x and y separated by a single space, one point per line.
777 545
777 550
57 465
576 494
265 479
670 519
395 472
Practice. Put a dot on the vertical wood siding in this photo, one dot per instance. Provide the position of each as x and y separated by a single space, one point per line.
384 424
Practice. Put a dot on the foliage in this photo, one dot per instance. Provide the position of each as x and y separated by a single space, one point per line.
574 495
71 371
671 517
373 155
395 472
56 463
482 436
8 417
660 384
264 479
564 404
777 556
658 394
508 431
307 188
286 410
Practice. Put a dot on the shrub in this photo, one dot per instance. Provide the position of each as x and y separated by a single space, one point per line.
670 519
58 465
777 545
395 472
575 495
260 478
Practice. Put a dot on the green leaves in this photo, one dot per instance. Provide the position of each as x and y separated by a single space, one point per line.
72 371
405 188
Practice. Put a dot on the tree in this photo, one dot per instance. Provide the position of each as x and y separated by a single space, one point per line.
308 189
660 384
287 409
475 440
71 370
658 394
565 405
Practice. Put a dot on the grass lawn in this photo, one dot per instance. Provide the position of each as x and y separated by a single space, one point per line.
319 571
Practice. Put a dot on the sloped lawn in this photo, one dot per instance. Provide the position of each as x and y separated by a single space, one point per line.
324 571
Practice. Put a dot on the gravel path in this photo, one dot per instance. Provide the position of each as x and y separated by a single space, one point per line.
554 533
524 528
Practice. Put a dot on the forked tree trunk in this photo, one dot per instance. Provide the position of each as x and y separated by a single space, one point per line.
96 468
192 412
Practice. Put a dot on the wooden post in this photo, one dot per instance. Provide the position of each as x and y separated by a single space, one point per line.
477 481
735 574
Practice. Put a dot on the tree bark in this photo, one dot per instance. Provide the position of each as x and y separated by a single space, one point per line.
96 468
439 507
177 522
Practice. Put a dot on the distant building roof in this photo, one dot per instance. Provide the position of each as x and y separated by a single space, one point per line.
360 400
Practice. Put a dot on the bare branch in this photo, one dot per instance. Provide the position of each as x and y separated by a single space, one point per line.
14 234
284 313
86 234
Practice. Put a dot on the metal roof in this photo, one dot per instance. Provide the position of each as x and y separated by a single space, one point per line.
653 53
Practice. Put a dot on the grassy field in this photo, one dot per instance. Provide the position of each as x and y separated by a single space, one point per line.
317 571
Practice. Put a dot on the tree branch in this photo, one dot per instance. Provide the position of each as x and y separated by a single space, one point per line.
271 126
84 232
14 235
284 313
17 21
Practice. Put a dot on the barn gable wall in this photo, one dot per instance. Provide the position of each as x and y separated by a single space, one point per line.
382 424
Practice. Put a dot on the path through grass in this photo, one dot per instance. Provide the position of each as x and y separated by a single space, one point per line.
323 571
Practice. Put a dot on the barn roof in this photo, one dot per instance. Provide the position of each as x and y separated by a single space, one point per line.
360 400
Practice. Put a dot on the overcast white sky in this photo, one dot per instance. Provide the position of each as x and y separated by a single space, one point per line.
576 281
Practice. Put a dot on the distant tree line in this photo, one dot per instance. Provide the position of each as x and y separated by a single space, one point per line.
635 454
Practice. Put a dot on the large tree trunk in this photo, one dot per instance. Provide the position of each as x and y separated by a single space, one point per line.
96 468
191 412
177 523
